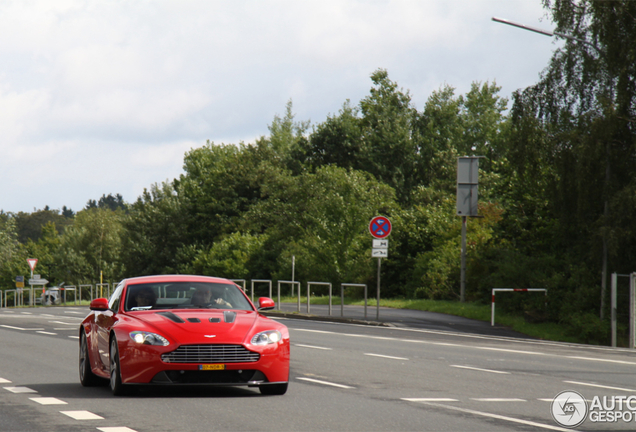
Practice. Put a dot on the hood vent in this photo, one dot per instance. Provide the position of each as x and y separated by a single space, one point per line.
171 317
194 320
215 320
229 316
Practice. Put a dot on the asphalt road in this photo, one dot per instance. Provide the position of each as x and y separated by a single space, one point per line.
344 377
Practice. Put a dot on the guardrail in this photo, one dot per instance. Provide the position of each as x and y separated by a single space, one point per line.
309 284
292 283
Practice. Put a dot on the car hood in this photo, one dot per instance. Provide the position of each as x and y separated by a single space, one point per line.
200 326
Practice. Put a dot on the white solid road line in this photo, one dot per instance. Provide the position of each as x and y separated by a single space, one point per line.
325 383
480 369
497 416
48 401
314 347
82 415
385 356
466 346
600 386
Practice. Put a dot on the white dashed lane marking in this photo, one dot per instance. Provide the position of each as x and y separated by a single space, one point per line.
4 381
46 333
430 400
311 346
82 415
480 369
74 337
325 383
19 328
48 401
116 429
385 356
498 400
20 390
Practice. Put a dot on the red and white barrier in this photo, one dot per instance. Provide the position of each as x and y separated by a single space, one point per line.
492 319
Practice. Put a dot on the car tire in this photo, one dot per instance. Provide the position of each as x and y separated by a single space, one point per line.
273 389
116 385
86 375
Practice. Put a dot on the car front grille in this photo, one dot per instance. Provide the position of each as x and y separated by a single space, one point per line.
211 354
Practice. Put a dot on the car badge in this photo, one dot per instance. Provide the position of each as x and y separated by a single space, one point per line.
209 336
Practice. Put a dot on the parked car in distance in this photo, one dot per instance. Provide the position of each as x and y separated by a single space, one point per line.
181 329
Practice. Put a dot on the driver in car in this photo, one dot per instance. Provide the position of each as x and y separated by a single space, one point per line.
203 297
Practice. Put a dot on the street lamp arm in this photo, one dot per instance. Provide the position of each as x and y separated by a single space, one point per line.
545 32
525 27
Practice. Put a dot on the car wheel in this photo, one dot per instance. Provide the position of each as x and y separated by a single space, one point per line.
273 389
87 377
116 385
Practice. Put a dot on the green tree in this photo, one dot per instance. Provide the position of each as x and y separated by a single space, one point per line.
322 218
92 245
154 232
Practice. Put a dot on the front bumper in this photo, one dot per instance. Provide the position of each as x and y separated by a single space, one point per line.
142 364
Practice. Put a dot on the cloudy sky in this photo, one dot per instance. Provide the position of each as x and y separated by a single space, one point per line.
106 97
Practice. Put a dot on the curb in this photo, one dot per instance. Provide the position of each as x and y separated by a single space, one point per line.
309 317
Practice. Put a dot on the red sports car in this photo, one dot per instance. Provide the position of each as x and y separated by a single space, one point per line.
177 329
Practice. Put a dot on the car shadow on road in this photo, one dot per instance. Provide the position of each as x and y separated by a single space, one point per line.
76 390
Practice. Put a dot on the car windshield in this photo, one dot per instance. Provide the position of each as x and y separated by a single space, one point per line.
185 295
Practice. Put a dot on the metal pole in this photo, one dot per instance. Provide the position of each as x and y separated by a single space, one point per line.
341 300
293 270
462 292
377 315
492 310
613 306
365 302
632 310
307 297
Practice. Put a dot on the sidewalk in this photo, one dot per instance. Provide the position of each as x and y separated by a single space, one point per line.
395 317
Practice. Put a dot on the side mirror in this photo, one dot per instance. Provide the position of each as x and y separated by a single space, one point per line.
99 304
266 303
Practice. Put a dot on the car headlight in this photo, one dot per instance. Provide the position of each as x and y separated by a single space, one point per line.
148 338
266 337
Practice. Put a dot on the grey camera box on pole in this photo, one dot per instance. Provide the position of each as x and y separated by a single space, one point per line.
467 182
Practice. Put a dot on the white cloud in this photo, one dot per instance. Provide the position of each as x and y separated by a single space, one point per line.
105 97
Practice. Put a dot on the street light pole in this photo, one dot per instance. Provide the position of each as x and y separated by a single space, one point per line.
607 150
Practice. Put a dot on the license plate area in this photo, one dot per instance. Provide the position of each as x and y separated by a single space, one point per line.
208 367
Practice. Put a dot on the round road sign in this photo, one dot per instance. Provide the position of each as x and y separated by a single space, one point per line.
380 227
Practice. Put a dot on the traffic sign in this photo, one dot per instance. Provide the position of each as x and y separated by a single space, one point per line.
379 253
32 263
38 281
380 227
380 244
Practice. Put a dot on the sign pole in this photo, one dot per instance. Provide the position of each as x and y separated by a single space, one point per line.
377 314
462 292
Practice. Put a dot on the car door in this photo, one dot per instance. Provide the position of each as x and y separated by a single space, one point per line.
104 321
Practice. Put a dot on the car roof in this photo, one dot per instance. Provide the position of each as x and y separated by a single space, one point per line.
176 278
